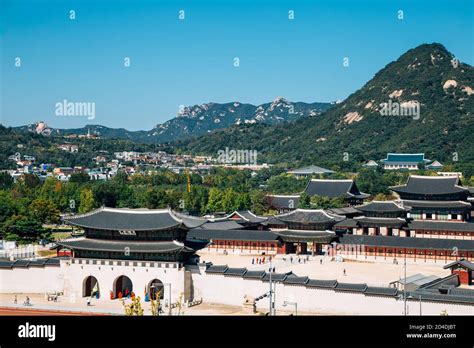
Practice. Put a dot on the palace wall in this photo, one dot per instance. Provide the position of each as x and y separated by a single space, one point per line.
220 289
69 277
212 288
31 280
140 273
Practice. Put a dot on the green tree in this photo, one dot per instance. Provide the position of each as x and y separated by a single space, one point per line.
305 201
86 199
44 211
23 230
6 181
214 204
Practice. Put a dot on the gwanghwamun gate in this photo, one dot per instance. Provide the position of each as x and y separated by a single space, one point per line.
120 251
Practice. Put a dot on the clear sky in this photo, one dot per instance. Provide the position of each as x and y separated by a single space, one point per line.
185 62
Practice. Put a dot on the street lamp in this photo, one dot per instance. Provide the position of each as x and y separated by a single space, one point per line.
419 298
286 303
169 297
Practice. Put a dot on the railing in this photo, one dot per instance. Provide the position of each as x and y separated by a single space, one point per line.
23 252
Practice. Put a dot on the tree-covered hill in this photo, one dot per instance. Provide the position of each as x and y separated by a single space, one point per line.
355 131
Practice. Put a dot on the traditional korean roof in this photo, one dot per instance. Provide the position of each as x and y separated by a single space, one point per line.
435 225
278 277
217 269
221 225
461 263
349 223
309 216
370 163
461 292
83 243
306 235
430 185
351 287
346 211
365 221
434 165
334 188
434 204
133 219
283 201
246 216
296 280
235 272
406 158
382 207
318 283
381 291
250 235
7 264
254 275
310 170
427 295
408 242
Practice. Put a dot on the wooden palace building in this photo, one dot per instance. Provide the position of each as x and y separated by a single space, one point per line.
132 234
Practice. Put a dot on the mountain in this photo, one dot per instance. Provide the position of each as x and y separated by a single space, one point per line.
358 129
197 120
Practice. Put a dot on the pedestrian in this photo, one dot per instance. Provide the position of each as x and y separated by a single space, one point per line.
273 269
304 260
291 259
299 260
320 261
15 301
344 271
263 261
253 261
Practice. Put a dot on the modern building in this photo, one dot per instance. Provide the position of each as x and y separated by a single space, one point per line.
406 161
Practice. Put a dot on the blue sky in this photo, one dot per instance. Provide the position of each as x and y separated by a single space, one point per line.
185 62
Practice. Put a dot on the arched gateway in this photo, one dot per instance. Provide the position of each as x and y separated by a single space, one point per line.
122 285
90 286
154 287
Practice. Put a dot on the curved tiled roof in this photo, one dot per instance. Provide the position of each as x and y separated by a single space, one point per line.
432 185
309 216
334 188
251 235
248 216
283 201
133 219
382 207
434 204
124 245
436 225
408 242
289 235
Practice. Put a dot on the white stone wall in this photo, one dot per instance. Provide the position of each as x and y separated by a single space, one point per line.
31 280
222 289
215 288
69 278
75 274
